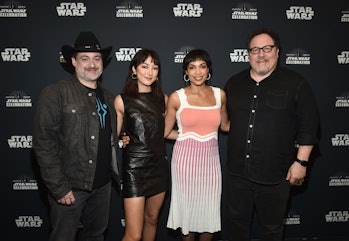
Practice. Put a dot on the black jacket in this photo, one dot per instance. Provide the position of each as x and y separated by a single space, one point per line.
65 136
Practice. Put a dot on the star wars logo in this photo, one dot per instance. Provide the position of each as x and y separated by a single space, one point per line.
343 58
244 11
338 181
18 103
292 220
337 217
20 142
18 98
71 10
126 54
299 60
298 57
345 17
239 56
13 10
25 184
300 13
180 54
342 101
187 10
29 222
340 140
179 58
15 55
129 10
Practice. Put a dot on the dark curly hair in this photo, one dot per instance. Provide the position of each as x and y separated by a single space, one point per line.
264 30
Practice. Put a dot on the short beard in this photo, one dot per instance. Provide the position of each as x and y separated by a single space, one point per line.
262 72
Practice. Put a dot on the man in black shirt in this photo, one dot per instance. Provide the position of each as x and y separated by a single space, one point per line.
274 122
73 139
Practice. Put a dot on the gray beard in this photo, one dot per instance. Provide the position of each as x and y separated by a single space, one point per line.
263 72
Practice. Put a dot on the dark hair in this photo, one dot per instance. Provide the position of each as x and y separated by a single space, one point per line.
264 30
197 54
131 86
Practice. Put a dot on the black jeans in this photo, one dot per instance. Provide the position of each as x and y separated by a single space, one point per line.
91 210
269 202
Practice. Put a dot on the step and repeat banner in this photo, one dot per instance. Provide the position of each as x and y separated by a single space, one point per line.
314 41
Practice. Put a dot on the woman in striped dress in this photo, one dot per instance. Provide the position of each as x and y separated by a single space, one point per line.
199 110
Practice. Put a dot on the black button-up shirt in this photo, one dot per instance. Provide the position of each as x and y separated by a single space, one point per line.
267 120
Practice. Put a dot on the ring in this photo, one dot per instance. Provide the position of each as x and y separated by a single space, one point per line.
299 182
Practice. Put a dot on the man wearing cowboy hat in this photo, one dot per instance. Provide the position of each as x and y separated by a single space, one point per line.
73 139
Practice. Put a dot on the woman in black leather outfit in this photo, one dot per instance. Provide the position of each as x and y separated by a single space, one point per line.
141 109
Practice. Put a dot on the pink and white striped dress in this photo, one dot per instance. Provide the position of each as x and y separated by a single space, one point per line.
195 168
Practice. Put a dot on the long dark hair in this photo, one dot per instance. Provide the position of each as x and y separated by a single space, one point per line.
131 87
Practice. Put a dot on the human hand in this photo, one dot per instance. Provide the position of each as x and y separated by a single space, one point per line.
296 174
68 199
124 140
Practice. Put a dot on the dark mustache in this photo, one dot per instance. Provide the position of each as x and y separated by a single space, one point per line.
92 68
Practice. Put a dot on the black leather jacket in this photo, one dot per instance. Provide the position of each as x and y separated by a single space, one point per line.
65 136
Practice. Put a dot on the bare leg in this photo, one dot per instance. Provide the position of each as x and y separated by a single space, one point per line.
153 205
189 237
134 217
206 236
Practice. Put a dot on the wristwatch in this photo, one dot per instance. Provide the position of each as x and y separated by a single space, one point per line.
303 163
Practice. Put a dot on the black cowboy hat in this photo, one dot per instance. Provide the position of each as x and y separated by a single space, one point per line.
85 42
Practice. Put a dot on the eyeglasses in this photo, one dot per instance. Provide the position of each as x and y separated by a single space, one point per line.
266 49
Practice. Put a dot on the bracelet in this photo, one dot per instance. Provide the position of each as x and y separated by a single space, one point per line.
303 163
120 143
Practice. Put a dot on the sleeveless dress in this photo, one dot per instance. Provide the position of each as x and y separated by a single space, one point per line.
144 165
196 169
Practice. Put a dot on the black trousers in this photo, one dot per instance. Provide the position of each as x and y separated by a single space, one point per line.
91 210
268 201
